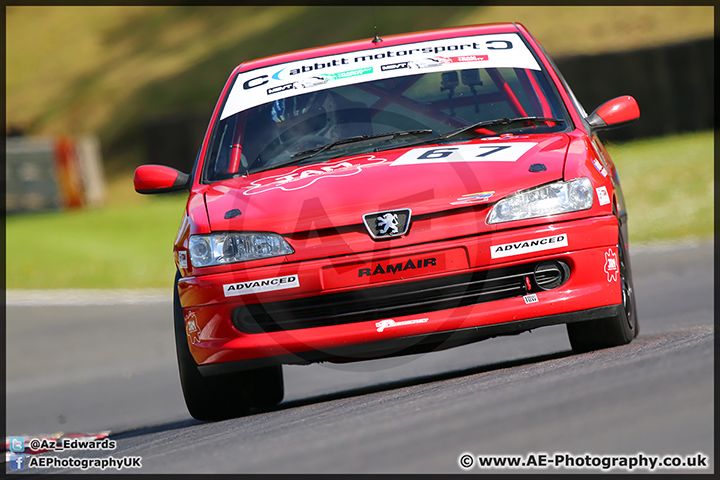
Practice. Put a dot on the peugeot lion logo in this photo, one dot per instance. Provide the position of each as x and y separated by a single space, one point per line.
382 225
388 224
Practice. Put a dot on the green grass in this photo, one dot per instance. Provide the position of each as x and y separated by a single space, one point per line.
668 186
120 246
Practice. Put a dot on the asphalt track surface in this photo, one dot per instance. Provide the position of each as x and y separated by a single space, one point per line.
102 364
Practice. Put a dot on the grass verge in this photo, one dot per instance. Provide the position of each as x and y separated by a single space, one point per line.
668 185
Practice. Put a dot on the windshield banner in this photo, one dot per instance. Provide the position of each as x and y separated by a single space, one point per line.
284 80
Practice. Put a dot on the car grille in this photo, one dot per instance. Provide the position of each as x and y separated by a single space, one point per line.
408 298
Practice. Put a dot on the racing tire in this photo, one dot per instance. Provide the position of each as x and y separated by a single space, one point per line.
220 397
614 331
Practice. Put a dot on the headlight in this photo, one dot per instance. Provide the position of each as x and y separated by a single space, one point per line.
223 248
552 199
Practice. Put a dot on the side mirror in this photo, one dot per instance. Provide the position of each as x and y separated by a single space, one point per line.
614 113
159 179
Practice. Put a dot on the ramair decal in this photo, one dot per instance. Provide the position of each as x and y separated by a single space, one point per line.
395 268
496 152
528 246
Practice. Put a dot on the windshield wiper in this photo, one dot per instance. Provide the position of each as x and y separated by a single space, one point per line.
497 121
311 152
299 157
485 123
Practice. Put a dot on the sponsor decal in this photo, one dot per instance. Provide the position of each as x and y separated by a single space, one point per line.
260 286
182 259
532 298
395 268
281 88
191 327
382 325
253 88
603 197
349 73
601 164
611 266
497 152
394 66
310 82
434 62
302 177
528 246
599 167
474 198
466 58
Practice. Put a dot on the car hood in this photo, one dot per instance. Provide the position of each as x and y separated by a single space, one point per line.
427 179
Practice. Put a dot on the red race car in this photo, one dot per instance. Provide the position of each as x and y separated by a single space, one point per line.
393 196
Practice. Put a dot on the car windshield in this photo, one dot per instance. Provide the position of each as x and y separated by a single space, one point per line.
351 119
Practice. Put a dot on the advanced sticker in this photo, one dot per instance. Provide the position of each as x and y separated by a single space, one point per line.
496 152
260 286
529 246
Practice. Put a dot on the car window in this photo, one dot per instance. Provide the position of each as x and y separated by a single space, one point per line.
422 98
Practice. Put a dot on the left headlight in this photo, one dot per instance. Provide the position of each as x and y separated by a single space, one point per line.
552 199
224 248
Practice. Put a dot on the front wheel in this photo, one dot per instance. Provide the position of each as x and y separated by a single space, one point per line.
221 396
614 331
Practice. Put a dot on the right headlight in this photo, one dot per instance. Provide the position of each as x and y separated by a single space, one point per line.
551 199
224 248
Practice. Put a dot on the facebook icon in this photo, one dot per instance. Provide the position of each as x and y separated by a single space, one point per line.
17 462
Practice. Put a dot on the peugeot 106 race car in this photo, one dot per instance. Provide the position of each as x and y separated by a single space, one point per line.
393 196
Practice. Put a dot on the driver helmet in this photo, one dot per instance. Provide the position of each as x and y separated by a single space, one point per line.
302 114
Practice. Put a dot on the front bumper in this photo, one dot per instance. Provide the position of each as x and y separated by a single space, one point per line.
592 289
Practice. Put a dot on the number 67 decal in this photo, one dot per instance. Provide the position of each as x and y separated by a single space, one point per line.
497 152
